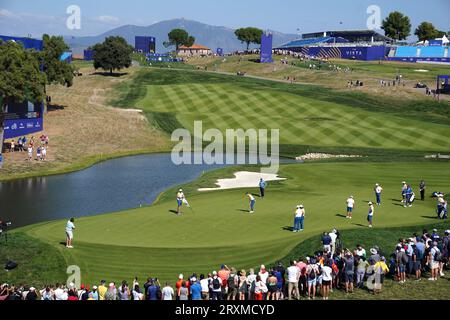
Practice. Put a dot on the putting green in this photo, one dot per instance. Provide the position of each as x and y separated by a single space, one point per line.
153 240
311 116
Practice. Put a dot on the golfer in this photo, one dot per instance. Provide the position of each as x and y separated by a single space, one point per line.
350 207
180 200
69 233
252 200
370 215
404 188
299 219
378 191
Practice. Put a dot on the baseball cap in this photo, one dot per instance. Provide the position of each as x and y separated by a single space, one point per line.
94 288
32 289
447 231
370 203
82 287
434 230
194 279
181 277
214 273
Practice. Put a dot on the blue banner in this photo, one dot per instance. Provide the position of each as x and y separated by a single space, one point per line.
22 127
266 48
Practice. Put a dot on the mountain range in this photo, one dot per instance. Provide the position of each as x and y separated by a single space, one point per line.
208 35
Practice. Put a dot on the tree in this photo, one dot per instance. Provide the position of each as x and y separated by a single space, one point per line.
249 35
113 54
179 37
57 71
397 26
427 31
20 77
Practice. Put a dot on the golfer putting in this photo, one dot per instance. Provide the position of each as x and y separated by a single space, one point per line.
181 199
252 202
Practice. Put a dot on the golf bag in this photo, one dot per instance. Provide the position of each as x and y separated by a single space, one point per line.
412 198
186 203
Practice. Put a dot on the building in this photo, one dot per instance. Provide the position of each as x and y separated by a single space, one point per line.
363 45
195 51
353 36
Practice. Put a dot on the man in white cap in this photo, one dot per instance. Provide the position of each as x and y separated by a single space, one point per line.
378 191
370 214
333 235
350 207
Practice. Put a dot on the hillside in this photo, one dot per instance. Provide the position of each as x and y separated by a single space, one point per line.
211 36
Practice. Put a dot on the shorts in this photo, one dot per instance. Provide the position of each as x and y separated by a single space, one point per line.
417 265
180 202
326 283
69 235
370 218
327 248
434 265
272 289
401 268
312 282
349 209
349 276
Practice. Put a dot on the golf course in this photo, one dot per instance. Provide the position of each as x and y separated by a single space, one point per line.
390 136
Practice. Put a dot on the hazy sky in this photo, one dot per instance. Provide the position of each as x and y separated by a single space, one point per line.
23 17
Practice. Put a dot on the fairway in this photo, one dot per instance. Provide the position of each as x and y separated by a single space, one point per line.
305 116
154 240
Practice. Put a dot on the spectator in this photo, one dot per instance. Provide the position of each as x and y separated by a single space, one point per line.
243 286
184 292
167 293
102 290
293 273
196 290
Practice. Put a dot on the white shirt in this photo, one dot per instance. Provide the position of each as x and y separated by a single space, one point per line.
205 285
350 202
251 278
333 237
167 293
264 276
371 210
361 253
378 189
293 272
30 150
251 197
327 273
70 226
300 213
60 294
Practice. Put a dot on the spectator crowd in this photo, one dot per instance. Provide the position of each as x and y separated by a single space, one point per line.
422 256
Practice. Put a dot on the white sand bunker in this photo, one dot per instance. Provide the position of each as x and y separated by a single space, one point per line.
243 179
422 70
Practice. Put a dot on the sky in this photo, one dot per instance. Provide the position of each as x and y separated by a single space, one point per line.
25 17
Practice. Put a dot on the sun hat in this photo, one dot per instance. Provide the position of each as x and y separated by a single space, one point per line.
373 251
32 289
434 230
214 273
181 277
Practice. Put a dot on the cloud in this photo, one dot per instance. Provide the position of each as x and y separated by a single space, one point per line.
7 14
108 19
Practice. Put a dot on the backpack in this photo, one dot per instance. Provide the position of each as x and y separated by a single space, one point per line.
216 284
437 255
312 274
231 283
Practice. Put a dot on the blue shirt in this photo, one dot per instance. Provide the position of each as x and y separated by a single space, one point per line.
421 248
196 291
152 292
262 184
326 240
